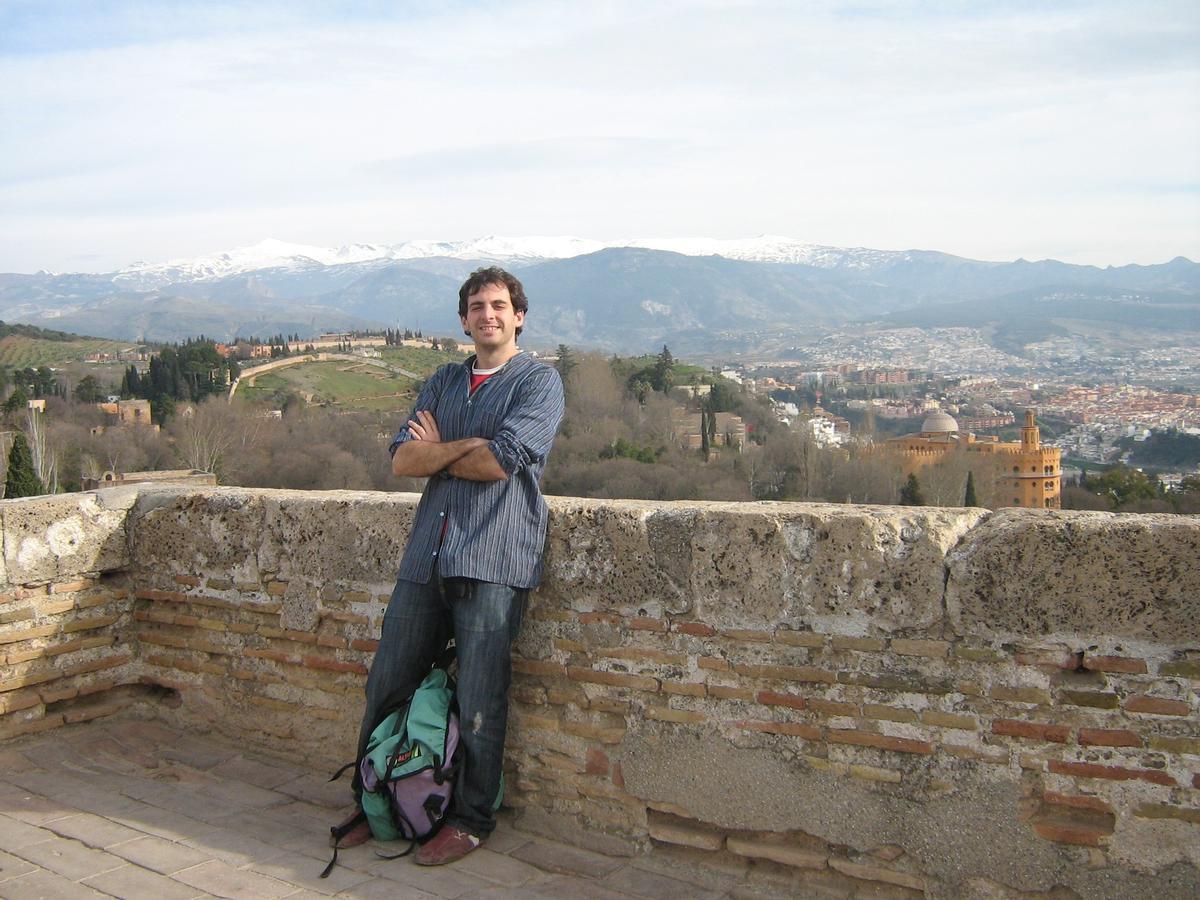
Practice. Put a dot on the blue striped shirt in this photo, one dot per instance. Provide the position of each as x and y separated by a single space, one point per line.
490 530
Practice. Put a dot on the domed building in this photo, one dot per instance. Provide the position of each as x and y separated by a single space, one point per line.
1029 475
939 423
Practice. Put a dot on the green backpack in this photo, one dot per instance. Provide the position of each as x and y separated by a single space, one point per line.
408 770
411 762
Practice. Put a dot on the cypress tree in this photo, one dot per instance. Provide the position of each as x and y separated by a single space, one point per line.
910 494
970 499
22 480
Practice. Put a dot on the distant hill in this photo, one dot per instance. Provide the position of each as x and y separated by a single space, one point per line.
41 334
622 298
27 346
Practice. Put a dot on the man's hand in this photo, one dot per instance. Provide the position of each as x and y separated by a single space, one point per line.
427 454
424 428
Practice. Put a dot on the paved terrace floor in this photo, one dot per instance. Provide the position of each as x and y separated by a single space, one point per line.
130 808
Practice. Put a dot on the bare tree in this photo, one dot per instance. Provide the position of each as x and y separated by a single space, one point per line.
215 436
45 460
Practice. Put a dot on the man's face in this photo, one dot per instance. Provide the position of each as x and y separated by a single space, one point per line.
491 320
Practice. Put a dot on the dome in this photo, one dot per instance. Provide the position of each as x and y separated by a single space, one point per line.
939 422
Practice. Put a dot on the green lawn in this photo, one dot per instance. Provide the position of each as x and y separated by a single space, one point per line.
422 360
335 383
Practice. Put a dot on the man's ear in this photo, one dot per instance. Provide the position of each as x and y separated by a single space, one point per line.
466 330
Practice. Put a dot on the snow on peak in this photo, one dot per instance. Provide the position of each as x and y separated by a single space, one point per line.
266 254
499 248
768 248
273 254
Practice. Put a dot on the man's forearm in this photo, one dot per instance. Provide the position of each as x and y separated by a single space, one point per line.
478 465
420 459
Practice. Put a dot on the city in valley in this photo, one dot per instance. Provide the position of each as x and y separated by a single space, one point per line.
1096 397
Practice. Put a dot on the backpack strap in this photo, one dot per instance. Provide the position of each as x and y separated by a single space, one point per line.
339 832
399 817
338 774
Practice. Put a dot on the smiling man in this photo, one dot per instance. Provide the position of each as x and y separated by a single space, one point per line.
480 432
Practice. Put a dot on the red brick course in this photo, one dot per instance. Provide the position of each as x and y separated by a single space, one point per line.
1037 731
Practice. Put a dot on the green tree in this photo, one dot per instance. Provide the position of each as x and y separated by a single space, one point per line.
723 396
16 401
664 371
162 408
566 362
910 494
1122 485
970 498
22 480
89 390
640 388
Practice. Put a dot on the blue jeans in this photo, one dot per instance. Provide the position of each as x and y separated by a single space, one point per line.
483 618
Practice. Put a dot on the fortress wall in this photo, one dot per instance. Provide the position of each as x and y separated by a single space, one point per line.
834 697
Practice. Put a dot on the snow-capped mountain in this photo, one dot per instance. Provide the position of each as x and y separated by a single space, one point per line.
620 295
500 249
274 254
771 248
268 254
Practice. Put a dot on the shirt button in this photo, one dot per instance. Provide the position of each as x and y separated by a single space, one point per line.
441 515
435 553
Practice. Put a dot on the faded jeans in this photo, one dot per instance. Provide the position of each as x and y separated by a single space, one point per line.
484 619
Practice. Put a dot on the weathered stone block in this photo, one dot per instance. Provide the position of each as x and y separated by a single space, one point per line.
51 538
1078 573
752 567
631 557
215 533
346 537
855 570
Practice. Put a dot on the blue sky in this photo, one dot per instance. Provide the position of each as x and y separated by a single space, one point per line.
159 130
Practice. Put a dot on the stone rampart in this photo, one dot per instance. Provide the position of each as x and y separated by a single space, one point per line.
845 697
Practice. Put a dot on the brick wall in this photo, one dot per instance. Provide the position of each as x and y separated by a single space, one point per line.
848 697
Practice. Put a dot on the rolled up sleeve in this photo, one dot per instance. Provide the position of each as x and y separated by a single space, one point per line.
527 432
426 400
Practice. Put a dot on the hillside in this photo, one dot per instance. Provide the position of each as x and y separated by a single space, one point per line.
20 350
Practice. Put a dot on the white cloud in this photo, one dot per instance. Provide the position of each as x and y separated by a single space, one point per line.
981 131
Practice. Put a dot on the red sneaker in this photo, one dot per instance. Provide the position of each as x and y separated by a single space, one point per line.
447 846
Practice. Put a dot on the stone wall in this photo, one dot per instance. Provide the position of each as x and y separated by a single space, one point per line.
67 653
838 697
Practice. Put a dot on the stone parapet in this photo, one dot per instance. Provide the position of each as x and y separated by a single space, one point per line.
921 699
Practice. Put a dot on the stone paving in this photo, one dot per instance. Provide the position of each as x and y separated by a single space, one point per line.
126 807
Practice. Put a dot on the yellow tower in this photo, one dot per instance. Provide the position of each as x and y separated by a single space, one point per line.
1031 437
1036 477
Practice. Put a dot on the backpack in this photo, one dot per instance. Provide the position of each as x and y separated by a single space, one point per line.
408 770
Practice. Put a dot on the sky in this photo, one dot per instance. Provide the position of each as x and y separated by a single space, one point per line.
165 130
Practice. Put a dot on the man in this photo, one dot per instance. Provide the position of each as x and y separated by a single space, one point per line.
480 432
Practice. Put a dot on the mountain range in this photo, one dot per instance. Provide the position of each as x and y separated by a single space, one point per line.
697 295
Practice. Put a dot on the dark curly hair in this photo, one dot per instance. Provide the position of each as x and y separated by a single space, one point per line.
481 278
